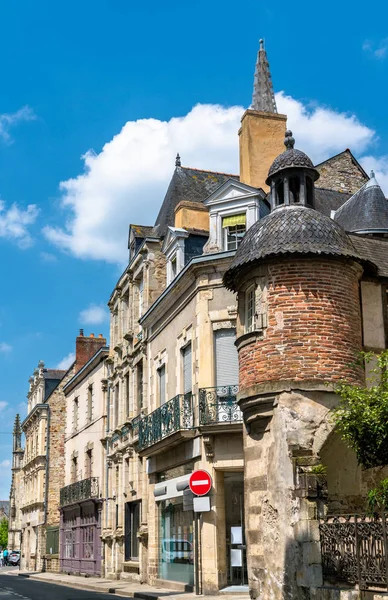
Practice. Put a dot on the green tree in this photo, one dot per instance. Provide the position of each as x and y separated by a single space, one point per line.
4 532
361 418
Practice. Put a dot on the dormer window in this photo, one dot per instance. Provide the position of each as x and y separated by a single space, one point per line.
234 230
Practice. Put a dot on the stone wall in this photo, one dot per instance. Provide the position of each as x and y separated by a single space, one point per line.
341 173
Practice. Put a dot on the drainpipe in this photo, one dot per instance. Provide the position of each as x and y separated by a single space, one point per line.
106 457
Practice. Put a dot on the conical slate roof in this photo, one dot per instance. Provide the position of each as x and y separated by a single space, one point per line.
366 211
263 98
289 230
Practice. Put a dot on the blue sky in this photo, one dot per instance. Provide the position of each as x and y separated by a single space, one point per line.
96 99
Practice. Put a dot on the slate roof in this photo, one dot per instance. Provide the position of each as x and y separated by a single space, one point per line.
194 185
53 373
374 250
328 200
288 159
366 210
290 230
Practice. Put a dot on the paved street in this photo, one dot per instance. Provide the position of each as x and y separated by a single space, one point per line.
13 587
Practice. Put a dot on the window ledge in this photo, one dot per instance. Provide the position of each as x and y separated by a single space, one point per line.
249 338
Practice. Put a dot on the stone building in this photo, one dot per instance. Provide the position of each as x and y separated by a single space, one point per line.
82 494
16 492
180 400
43 469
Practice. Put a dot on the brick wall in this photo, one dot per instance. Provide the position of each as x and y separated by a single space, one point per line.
314 325
86 347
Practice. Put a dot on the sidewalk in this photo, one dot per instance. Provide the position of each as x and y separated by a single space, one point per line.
121 587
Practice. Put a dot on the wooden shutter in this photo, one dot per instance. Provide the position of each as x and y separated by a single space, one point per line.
226 357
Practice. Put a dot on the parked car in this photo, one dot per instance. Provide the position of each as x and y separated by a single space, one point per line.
14 558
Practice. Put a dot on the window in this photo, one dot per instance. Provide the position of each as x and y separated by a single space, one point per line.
88 463
234 228
162 384
309 191
132 522
279 193
116 406
74 469
187 369
89 406
294 184
226 357
250 309
75 414
173 268
127 407
141 296
139 386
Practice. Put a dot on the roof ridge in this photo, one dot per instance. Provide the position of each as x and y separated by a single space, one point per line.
209 171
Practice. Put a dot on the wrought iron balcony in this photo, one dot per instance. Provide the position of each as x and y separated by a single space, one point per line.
172 416
219 405
79 491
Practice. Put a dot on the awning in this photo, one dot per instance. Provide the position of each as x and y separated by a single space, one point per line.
234 220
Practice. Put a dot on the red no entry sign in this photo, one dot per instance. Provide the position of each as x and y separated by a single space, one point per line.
200 482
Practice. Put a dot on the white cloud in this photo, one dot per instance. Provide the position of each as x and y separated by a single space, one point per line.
126 182
5 463
14 222
93 315
66 361
320 131
5 348
9 120
380 167
3 405
47 257
378 50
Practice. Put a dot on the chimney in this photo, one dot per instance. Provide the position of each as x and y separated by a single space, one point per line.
86 347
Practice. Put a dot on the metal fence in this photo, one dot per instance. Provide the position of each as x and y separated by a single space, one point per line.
354 550
174 415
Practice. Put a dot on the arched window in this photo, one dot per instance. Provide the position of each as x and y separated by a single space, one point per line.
279 193
294 185
309 191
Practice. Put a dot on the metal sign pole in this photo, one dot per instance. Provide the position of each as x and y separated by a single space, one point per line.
196 552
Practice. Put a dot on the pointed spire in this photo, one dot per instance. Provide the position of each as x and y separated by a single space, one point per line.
178 160
17 428
263 98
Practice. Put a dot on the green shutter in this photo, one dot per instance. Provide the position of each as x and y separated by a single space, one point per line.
234 220
52 540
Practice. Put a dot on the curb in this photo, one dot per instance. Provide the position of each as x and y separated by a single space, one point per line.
78 586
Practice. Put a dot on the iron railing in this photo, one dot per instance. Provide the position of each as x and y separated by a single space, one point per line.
174 415
79 491
219 405
354 549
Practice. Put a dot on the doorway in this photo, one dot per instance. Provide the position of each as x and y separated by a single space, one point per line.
236 552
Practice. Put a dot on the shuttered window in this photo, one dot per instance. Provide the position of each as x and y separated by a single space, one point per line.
162 384
226 357
187 369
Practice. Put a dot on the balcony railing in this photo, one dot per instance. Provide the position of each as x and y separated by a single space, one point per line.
219 405
172 416
354 550
79 491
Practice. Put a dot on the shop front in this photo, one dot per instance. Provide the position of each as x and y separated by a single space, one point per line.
80 541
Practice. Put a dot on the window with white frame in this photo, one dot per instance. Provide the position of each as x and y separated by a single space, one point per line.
173 267
250 309
234 228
